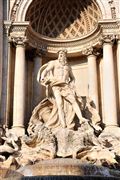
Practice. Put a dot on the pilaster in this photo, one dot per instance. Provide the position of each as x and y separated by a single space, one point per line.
4 72
1 53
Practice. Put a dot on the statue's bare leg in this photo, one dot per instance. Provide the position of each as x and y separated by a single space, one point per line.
78 112
59 103
76 108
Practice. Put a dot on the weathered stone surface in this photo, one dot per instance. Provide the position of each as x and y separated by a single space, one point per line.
9 174
66 166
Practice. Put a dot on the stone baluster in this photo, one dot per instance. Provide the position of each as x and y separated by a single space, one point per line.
19 87
109 96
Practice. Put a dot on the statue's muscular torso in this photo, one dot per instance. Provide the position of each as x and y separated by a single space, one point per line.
61 72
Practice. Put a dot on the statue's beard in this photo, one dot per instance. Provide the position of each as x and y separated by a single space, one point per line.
63 62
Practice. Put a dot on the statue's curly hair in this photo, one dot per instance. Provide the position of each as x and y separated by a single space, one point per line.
63 50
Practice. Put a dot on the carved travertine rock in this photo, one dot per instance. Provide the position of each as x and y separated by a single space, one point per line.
64 124
10 145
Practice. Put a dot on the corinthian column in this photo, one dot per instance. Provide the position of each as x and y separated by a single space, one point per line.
19 87
109 96
92 76
118 67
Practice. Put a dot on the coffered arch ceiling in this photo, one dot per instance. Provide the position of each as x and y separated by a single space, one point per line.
63 19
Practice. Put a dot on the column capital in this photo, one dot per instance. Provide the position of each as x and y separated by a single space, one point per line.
90 51
19 41
118 38
107 39
18 32
7 27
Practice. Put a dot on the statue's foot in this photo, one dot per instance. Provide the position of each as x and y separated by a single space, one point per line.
83 120
97 128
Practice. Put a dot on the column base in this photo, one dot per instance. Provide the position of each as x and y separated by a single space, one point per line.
111 130
18 130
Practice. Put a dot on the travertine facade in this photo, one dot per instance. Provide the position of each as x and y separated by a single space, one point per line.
73 48
35 30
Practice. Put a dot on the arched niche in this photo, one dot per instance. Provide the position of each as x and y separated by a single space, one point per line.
19 10
63 19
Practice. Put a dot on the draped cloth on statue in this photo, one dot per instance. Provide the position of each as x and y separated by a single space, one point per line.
46 111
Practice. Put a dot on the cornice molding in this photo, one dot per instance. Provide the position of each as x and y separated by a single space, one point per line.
72 45
110 26
18 29
95 38
105 31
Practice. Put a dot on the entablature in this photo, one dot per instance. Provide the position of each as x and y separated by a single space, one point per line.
73 46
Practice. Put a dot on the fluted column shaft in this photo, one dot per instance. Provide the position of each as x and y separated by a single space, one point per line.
118 68
19 88
92 79
109 97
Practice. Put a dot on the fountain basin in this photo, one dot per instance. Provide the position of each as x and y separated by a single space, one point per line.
66 167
